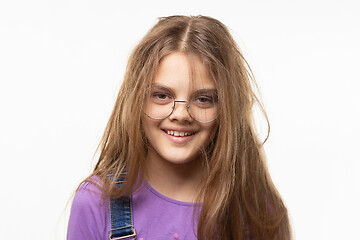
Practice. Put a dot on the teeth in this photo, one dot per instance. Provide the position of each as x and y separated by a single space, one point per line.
178 134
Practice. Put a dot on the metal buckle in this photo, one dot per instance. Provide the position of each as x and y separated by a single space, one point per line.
123 237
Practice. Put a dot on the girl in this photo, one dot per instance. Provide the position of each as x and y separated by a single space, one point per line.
180 158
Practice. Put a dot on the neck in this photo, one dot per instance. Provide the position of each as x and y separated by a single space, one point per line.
179 181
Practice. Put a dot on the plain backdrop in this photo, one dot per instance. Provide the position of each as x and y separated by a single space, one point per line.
62 63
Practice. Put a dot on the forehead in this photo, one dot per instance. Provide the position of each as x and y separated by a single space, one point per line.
182 71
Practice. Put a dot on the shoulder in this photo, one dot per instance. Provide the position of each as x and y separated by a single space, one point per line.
89 212
89 192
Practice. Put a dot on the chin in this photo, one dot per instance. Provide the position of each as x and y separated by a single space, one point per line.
181 160
175 156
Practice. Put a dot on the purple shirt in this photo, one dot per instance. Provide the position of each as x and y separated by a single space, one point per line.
155 216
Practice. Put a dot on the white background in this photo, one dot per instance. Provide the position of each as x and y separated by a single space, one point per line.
61 64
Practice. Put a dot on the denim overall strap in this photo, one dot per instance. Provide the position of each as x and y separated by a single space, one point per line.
121 218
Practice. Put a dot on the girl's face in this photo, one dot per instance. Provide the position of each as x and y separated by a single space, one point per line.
178 138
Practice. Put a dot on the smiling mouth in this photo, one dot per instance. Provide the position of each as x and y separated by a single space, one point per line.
178 133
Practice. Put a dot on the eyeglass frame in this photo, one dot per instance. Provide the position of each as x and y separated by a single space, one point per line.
173 107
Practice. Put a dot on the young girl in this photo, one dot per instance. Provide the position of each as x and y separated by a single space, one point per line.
180 158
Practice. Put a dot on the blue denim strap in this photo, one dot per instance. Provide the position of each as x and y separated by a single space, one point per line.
121 218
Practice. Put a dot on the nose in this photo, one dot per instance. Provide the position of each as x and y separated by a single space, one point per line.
180 112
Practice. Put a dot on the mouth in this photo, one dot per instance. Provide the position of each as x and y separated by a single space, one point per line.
179 133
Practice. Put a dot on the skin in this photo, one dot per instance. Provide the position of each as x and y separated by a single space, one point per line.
174 166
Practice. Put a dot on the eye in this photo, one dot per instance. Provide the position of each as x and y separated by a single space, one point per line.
204 99
161 98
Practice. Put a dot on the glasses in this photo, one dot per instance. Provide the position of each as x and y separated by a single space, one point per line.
202 104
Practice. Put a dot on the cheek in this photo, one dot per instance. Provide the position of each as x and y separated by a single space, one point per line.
212 128
148 128
212 133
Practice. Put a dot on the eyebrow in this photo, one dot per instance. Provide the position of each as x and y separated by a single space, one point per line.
201 90
206 90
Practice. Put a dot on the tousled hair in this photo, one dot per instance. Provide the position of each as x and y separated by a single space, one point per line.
239 199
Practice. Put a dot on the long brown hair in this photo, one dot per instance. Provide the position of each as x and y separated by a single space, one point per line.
239 198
